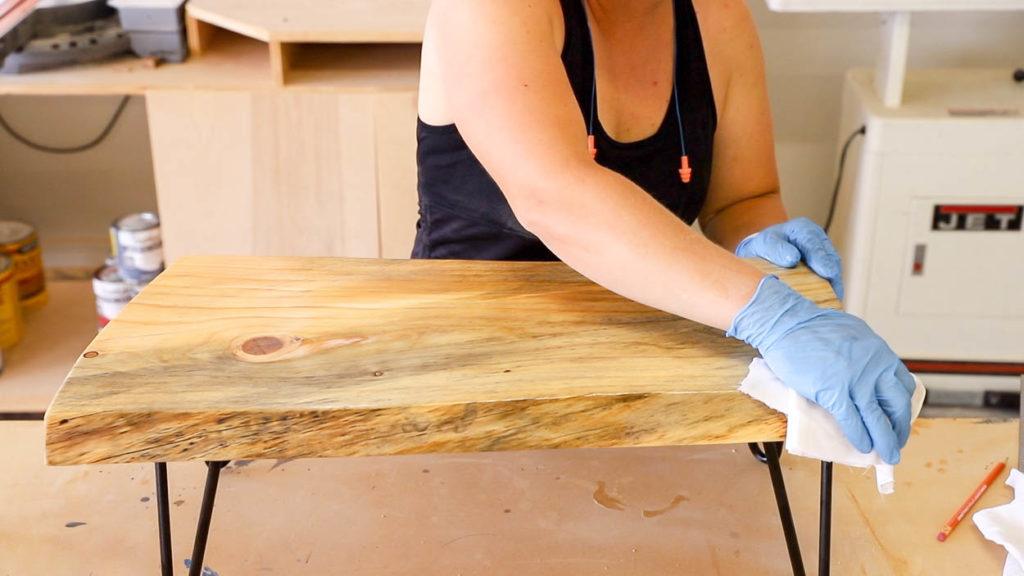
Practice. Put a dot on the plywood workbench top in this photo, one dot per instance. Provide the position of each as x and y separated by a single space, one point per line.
225 358
690 510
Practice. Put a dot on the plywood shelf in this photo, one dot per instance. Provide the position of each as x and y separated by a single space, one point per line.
237 63
388 67
54 337
228 60
298 21
324 44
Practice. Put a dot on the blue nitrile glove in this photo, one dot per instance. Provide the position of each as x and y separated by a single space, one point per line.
800 239
833 359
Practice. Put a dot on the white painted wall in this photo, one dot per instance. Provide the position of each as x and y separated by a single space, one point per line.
807 55
72 199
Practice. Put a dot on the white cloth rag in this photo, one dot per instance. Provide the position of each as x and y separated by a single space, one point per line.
814 433
1004 525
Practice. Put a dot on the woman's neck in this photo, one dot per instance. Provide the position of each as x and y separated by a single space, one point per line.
624 17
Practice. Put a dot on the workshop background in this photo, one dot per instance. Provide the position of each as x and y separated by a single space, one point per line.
657 510
807 56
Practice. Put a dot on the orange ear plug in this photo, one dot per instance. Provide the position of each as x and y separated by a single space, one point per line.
591 146
684 169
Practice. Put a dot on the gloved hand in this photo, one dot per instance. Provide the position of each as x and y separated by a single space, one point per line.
800 239
833 359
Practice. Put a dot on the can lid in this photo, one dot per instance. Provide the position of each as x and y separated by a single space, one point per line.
137 221
12 231
108 273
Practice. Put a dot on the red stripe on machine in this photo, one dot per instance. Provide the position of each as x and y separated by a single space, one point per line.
970 209
960 367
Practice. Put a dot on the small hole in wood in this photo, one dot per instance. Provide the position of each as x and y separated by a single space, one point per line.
91 354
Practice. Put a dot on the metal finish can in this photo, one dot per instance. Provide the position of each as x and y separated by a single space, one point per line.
136 244
12 325
19 240
112 293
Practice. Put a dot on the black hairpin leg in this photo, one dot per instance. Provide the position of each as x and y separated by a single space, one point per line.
772 451
205 516
824 516
755 449
164 520
825 520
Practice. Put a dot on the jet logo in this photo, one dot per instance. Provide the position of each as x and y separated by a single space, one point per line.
972 218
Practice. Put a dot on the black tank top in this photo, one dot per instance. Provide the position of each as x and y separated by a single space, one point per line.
463 213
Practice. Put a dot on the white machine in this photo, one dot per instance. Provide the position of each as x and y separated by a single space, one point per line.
929 217
929 221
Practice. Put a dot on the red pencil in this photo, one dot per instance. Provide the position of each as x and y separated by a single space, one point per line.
970 501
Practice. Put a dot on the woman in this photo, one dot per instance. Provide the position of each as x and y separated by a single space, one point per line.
512 92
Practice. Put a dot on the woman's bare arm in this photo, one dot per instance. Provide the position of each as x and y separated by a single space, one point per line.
511 100
743 197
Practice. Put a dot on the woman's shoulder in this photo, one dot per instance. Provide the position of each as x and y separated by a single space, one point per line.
726 26
535 26
544 13
502 31
731 44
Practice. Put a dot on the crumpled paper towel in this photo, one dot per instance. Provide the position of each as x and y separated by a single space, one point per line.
814 433
1004 525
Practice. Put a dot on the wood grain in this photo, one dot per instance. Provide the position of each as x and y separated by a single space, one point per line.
224 358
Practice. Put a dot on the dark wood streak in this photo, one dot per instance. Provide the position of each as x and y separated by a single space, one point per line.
515 425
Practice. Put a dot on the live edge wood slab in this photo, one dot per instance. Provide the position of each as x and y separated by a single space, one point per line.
227 358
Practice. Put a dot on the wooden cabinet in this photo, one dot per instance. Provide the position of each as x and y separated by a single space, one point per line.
285 172
317 158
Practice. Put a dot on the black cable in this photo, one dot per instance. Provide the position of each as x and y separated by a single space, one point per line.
839 177
675 96
71 149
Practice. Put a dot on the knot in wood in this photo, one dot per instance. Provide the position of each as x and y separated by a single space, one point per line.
267 348
261 345
274 348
